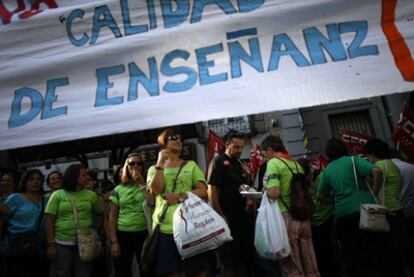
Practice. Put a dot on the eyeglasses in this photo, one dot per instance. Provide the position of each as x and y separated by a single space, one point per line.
135 164
174 138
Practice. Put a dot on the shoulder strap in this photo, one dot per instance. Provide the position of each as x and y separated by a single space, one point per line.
178 173
164 210
356 181
291 171
75 213
355 174
384 180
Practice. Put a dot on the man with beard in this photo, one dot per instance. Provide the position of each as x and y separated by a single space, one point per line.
225 175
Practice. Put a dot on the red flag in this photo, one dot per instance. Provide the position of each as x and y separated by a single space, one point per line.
215 145
319 162
255 161
354 141
404 133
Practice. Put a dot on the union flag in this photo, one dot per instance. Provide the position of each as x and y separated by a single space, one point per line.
215 146
404 133
255 161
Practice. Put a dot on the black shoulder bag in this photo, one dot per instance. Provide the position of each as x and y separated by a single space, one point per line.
149 249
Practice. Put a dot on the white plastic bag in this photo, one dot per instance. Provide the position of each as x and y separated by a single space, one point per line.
198 228
271 239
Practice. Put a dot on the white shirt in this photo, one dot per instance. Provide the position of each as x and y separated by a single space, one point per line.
407 187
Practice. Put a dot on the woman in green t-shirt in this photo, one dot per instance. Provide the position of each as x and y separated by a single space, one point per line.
160 179
127 223
60 223
349 191
388 194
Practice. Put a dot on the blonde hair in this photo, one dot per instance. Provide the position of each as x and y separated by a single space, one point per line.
126 177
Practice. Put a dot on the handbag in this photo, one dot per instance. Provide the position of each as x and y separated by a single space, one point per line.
150 246
373 217
27 243
89 244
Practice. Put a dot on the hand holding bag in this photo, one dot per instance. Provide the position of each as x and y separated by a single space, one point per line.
271 239
89 245
198 228
372 216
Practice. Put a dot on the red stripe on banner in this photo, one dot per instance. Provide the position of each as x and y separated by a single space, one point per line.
203 239
399 48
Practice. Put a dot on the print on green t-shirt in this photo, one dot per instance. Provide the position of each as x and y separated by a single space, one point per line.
189 176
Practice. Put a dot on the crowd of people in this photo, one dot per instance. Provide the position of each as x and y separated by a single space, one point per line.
329 243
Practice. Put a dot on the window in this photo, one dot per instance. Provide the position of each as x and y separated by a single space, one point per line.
222 126
359 121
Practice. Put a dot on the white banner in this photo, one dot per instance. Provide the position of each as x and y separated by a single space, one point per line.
78 69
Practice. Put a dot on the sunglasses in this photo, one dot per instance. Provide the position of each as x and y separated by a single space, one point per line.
174 138
135 163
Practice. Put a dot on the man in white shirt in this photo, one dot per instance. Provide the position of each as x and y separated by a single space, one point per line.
407 197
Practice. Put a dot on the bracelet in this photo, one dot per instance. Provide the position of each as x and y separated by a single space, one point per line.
51 242
157 167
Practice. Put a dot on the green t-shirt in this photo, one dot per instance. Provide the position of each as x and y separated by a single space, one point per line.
131 217
87 204
189 176
392 185
338 178
278 175
323 211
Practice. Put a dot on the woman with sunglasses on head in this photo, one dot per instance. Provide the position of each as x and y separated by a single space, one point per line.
127 223
161 178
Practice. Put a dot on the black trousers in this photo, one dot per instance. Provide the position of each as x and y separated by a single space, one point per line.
27 266
322 237
365 253
131 244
